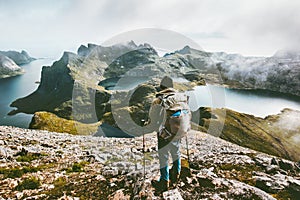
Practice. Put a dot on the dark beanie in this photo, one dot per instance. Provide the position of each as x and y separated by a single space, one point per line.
166 82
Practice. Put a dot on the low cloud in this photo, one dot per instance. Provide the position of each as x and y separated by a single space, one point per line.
247 27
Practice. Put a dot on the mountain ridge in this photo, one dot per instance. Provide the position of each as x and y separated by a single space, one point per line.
20 58
273 73
10 61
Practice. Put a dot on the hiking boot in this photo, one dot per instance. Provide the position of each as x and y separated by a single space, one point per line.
161 185
174 177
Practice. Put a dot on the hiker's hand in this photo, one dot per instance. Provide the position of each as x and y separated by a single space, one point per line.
147 122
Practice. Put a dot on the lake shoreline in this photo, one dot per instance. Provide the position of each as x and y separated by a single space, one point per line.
29 79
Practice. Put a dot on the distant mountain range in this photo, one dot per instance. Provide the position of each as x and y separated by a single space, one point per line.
94 63
10 61
280 73
70 89
20 58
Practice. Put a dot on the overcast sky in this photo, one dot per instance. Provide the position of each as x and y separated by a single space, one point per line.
248 27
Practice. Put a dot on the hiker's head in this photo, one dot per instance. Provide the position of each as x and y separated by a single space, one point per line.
166 82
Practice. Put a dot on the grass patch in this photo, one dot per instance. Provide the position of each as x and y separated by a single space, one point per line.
25 156
51 122
60 182
18 172
28 184
77 167
61 187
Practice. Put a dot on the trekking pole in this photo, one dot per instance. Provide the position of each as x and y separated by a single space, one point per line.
187 149
144 161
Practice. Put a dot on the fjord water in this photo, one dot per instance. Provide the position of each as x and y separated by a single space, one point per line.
260 103
256 102
17 87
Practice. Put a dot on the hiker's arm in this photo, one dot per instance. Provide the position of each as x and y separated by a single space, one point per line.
155 115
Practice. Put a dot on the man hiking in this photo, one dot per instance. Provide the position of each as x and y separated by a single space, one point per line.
173 112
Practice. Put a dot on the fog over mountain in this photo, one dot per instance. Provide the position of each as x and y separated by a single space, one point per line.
280 72
246 27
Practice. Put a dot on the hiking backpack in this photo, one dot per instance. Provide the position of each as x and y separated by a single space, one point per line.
178 114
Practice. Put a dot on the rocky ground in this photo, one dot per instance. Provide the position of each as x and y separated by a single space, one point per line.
39 164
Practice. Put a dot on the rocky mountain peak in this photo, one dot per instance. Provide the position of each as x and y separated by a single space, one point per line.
185 50
82 50
131 43
90 45
67 56
147 47
190 53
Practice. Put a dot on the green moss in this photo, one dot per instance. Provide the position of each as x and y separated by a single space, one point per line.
28 184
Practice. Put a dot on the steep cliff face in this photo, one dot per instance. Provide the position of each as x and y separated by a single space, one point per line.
54 89
85 69
8 67
39 164
17 57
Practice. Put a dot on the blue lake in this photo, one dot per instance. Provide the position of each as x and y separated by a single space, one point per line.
17 87
260 103
257 102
